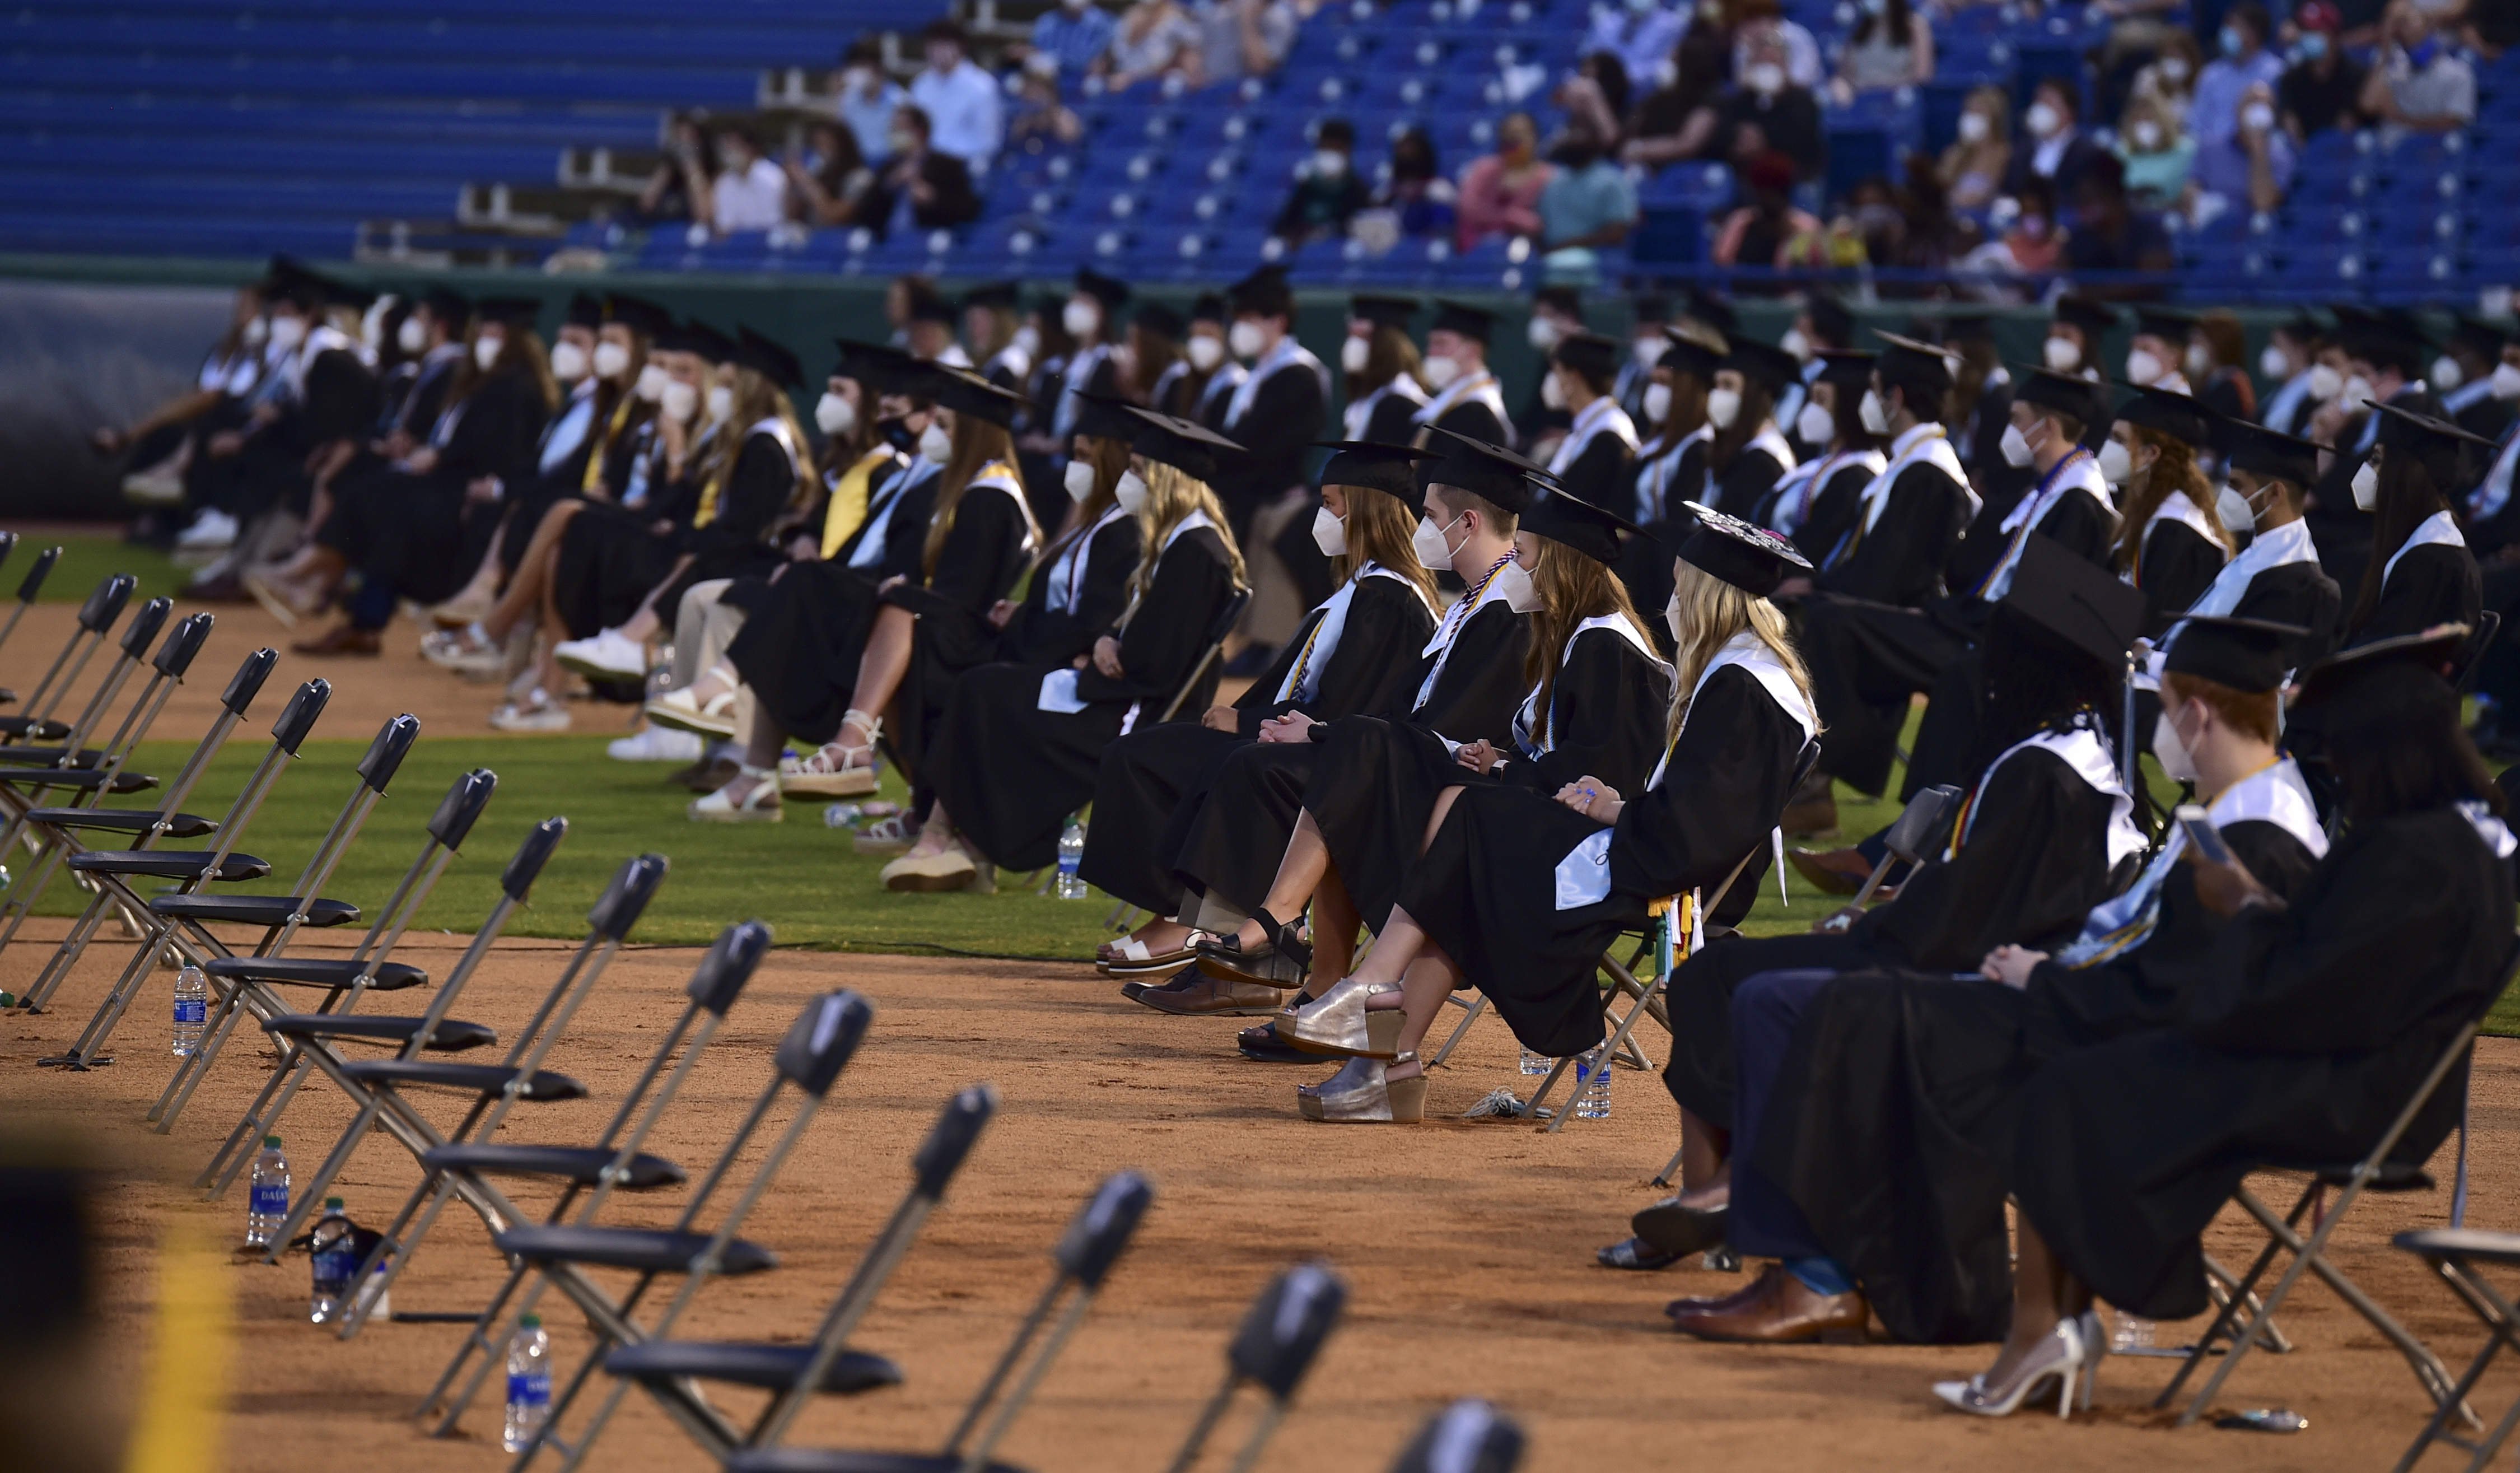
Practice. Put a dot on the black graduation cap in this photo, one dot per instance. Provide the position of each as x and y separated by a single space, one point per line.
2260 451
1650 306
1911 361
1106 417
286 280
1564 300
509 311
342 294
1846 368
771 359
1156 317
2381 340
1743 553
880 367
1383 311
638 314
2168 412
447 305
2074 602
968 394
1264 292
1831 319
2303 326
1771 367
1391 469
2093 316
1110 290
1688 355
2165 323
1579 527
1195 450
1590 354
2435 443
994 294
2478 336
932 307
1475 323
1713 310
698 338
584 311
2065 394
1967 327
2387 675
2244 654
1210 307
1491 471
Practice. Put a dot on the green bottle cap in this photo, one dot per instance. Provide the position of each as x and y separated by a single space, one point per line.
530 1322
271 1141
332 1201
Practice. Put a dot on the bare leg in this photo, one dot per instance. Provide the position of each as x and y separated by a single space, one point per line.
643 622
1400 944
938 834
525 594
880 667
1334 925
1429 979
1300 873
1705 1163
2043 1291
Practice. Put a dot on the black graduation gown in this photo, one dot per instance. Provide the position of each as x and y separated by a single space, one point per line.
1890 1125
1747 486
1229 839
2124 1152
1486 892
738 540
1146 776
413 532
2437 583
1644 562
338 400
1831 515
1277 434
1376 781
1394 420
610 409
2174 566
1598 470
2299 593
1010 773
2036 861
612 553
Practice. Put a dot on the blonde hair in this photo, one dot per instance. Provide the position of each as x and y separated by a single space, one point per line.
1379 526
1108 458
977 444
757 399
1712 613
1572 588
1173 496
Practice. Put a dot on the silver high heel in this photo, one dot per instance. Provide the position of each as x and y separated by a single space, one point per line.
1373 1098
2096 1349
1335 1021
2058 1356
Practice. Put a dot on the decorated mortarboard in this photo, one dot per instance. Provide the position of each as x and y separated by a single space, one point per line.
1579 527
2384 675
1002 295
968 394
1383 311
1106 417
1688 355
1591 354
1110 290
1477 324
2074 602
1845 367
2093 316
510 311
1391 469
1713 310
1264 292
2437 444
584 311
2244 654
1491 472
2165 323
1829 317
704 341
638 314
880 367
1743 553
2260 451
1157 318
1193 449
2169 412
1210 307
2065 394
1771 367
771 359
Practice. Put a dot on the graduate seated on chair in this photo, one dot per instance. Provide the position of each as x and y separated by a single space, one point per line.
2420 574
1874 1110
1356 652
1599 697
1015 755
2046 832
1519 892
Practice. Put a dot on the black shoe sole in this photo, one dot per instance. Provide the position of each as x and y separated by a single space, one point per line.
1680 1231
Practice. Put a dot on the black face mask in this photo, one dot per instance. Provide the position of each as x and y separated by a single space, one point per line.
897 433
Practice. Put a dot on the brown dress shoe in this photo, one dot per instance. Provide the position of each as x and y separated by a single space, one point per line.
342 638
1832 872
1180 982
1741 1298
1812 811
1212 995
1785 1312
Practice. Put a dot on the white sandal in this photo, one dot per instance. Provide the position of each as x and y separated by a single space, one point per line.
760 806
832 770
686 712
886 835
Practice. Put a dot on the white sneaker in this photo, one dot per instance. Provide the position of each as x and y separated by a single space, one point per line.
213 528
657 744
609 656
537 713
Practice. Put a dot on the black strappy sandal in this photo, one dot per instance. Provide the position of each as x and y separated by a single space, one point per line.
1284 959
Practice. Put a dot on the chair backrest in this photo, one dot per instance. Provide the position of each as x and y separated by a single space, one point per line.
1912 833
1102 1228
298 718
462 805
1285 1327
516 880
384 754
950 1140
246 682
184 645
633 885
104 602
143 627
728 964
819 1043
1467 1437
1201 671
2472 655
32 584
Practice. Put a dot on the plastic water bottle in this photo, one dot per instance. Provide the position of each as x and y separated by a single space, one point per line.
192 1010
842 814
1593 1085
528 1383
266 1205
1536 1063
1072 853
333 1248
2130 1335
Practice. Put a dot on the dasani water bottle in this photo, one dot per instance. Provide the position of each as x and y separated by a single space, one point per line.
1072 853
333 1247
528 1383
1593 1085
192 1010
266 1204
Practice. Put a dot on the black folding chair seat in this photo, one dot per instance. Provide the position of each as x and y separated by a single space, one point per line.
87 756
450 1036
647 1250
182 826
254 909
73 777
319 972
771 1368
2393 1177
542 1086
170 864
2475 1244
581 1163
841 1460
39 727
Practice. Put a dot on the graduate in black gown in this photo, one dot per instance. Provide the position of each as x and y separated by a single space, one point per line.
1358 651
2170 543
1015 758
2285 1053
1885 1135
1813 504
1668 470
1378 363
2421 573
1519 892
1464 395
1746 454
1277 411
1591 460
2277 576
1599 696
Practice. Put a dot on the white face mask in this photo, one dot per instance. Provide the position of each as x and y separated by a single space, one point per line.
2233 510
2356 389
1438 373
2172 752
2016 447
1544 332
679 400
1080 481
1815 426
1328 163
1080 317
2061 355
258 332
2117 467
1648 351
2198 362
1796 344
2174 70
721 401
834 415
1353 353
2042 119
1205 351
1246 339
1552 391
2447 375
1658 403
2272 364
1027 340
2506 380
485 351
1515 588
1723 407
2258 118
1974 127
1876 417
650 386
2147 136
1671 616
2366 488
1131 492
612 360
1329 534
568 362
1428 543
2142 368
935 445
287 332
1765 78
2325 382
411 336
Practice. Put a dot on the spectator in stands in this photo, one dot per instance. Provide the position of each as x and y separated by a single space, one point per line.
1641 33
1327 194
2156 153
1414 201
1500 193
1769 231
864 98
2323 87
2137 29
2029 246
1239 38
1070 40
2057 150
1152 39
1767 112
924 187
750 193
1892 46
2169 77
2110 236
2213 114
1677 121
829 176
1980 154
679 188
1041 120
1594 101
1589 201
1758 21
2422 85
2253 167
964 107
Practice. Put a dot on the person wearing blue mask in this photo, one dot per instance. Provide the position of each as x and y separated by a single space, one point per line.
2422 85
2322 89
2243 60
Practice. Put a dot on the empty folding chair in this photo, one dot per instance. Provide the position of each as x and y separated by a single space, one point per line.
795 1373
810 1058
131 653
1279 1337
2458 1254
96 617
344 981
27 591
1094 1241
1467 1437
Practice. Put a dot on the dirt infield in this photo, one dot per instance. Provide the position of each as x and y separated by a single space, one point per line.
1467 1245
